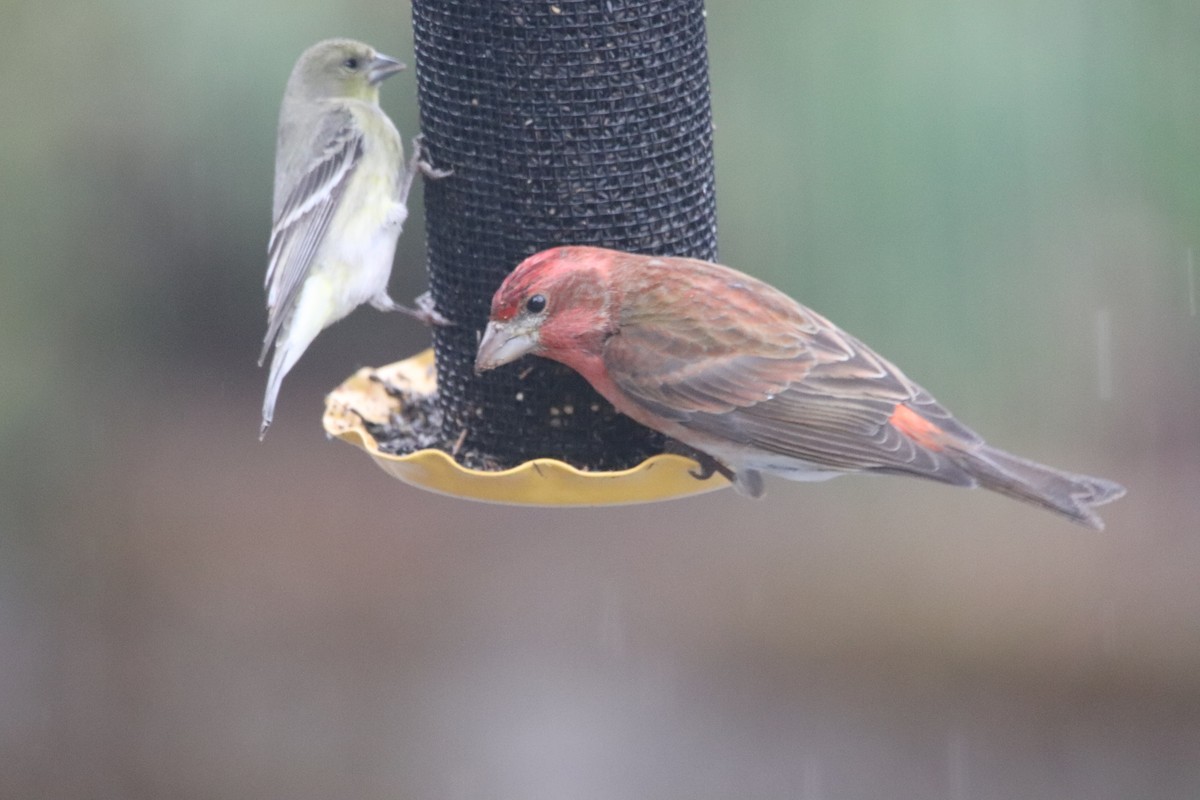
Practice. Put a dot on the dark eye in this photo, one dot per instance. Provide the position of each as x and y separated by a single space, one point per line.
350 63
536 304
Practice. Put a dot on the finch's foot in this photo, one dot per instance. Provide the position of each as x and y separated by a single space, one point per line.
418 162
432 172
709 466
425 311
747 481
428 311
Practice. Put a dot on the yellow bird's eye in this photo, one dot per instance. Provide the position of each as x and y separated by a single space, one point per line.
351 64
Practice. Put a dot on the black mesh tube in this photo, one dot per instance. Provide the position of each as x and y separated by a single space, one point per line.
568 122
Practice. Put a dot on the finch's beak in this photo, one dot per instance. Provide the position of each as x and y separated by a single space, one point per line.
502 343
382 67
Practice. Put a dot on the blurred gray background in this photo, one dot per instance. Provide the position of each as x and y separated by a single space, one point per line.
1003 196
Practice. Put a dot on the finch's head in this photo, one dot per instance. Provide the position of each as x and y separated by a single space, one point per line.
556 304
341 68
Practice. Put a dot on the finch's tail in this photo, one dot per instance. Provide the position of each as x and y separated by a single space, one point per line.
274 381
285 357
1073 496
294 336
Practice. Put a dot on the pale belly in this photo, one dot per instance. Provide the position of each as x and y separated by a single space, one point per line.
350 271
356 267
794 469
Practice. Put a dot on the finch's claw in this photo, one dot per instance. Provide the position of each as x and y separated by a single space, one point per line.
429 312
424 312
709 466
432 172
427 169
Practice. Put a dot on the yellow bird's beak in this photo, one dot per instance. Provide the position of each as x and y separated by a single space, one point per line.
382 67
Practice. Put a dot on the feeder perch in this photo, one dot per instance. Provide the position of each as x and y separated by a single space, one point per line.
372 398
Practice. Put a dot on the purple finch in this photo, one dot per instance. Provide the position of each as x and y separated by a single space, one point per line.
751 379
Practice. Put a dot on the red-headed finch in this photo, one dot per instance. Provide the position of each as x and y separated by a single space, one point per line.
734 368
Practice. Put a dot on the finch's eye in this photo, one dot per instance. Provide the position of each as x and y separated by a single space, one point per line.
536 304
351 63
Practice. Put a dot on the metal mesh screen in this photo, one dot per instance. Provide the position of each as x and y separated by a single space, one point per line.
568 122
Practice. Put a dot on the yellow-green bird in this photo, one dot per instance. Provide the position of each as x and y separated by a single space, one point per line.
341 187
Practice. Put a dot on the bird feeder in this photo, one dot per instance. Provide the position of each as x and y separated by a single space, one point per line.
575 122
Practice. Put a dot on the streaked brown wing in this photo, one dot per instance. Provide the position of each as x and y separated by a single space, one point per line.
782 379
737 342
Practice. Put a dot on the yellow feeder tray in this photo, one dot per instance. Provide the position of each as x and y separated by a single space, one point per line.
541 482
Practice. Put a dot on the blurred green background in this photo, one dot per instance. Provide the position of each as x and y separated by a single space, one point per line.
1003 196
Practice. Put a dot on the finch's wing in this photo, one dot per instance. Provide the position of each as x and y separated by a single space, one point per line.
305 215
807 390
